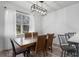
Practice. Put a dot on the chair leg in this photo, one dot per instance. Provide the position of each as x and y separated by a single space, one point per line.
36 53
24 54
62 53
28 52
51 49
44 53
73 54
14 55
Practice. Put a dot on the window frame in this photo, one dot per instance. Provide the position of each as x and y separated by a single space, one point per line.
21 25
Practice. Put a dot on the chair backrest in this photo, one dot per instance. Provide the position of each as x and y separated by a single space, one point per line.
50 39
62 39
70 34
40 44
28 35
67 36
35 34
13 47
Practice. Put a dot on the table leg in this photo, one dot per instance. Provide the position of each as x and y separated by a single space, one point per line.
28 53
77 50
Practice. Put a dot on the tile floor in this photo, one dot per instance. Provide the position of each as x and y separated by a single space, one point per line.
56 53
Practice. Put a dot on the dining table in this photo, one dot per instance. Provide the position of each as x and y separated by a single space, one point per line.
26 43
75 40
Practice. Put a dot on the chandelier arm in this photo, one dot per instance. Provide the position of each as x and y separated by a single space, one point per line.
39 9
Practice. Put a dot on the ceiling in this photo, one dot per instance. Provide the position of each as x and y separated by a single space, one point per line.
49 5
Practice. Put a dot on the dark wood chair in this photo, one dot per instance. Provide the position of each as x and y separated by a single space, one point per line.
28 35
40 45
17 50
35 34
49 42
66 48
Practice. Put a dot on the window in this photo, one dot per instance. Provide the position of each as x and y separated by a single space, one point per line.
18 29
22 23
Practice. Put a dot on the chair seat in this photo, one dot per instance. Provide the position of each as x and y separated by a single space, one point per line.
20 50
68 48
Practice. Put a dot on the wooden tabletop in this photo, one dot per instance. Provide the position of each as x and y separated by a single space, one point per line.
25 42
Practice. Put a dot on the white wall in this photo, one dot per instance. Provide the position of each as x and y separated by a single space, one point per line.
8 24
1 27
62 21
38 22
32 23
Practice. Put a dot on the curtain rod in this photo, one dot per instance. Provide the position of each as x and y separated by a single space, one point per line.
18 11
22 12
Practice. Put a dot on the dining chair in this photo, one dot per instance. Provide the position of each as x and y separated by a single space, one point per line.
28 35
49 42
66 48
17 50
35 34
70 34
40 45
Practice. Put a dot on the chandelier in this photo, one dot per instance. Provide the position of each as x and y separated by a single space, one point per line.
39 9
